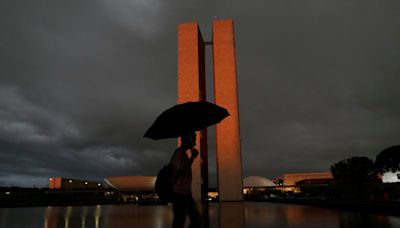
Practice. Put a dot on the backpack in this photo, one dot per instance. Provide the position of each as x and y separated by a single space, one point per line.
164 183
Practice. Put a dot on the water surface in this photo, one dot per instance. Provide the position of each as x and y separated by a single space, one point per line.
247 214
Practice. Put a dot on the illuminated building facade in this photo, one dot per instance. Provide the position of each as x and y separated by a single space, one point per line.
73 184
229 158
292 178
191 87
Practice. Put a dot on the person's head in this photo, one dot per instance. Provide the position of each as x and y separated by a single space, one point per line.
188 141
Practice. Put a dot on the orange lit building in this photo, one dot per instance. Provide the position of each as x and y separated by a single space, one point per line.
228 151
72 184
192 87
292 178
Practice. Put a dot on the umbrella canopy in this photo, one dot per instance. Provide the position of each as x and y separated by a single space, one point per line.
185 118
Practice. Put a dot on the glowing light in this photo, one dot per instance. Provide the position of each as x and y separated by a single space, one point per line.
391 177
70 181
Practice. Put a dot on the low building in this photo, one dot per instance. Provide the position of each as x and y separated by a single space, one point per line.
134 188
132 183
257 188
61 183
291 178
256 183
317 181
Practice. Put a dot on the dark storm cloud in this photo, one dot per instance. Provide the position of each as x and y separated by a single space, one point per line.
82 80
326 92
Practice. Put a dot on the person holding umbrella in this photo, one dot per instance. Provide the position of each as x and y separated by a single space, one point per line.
182 200
182 121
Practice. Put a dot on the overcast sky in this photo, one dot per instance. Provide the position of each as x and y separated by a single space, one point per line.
81 81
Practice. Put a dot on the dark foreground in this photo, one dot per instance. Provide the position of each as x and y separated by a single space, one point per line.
44 198
245 214
376 207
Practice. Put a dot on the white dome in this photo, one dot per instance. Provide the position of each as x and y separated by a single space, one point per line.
257 181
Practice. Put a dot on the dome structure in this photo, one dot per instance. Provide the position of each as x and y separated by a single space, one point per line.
257 182
132 183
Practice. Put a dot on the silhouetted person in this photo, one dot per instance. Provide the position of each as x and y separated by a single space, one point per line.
182 200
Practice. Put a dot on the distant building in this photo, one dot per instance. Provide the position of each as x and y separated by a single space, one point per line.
292 178
132 183
73 184
257 182
254 184
319 181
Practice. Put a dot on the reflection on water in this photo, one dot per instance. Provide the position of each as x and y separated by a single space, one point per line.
283 215
246 214
231 214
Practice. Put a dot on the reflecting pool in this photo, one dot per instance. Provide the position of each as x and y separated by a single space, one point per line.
230 215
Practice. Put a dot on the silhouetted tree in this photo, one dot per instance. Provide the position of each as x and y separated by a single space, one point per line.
354 170
388 160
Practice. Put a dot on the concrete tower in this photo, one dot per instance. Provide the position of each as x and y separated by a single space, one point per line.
191 87
229 158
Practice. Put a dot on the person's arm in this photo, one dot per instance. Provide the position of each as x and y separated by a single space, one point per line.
195 153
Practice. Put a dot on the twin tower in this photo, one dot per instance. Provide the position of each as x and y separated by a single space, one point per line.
192 87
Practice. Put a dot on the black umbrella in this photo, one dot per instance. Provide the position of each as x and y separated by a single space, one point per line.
185 118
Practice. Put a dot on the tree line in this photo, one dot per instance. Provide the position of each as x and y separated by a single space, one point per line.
358 170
